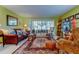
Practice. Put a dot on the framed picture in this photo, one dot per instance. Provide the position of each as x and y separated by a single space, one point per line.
12 21
77 16
71 17
66 19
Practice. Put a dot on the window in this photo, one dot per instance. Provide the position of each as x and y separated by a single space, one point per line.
42 25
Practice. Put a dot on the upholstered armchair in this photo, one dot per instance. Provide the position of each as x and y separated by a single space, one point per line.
70 45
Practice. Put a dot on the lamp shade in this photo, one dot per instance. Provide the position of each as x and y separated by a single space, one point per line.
25 25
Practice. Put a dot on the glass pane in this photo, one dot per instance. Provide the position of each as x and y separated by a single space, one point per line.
42 25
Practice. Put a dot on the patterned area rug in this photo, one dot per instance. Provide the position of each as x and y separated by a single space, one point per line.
38 51
35 48
38 43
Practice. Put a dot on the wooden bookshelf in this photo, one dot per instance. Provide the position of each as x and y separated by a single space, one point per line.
59 24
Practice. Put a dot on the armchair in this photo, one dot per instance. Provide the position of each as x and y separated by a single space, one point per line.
70 45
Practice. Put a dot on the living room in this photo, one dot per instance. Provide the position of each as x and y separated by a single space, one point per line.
47 29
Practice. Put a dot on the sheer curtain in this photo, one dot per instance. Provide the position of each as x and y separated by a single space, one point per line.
41 26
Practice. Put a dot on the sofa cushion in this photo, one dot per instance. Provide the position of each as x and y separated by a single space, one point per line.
19 32
4 31
12 32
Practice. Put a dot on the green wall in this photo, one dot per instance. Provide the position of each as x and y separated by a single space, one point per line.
71 12
3 13
55 23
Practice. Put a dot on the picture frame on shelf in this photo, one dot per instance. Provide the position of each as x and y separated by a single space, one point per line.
66 19
71 17
77 16
12 21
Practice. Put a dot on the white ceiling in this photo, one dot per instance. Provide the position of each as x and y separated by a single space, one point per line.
39 10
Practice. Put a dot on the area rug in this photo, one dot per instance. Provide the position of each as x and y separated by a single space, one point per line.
35 47
38 51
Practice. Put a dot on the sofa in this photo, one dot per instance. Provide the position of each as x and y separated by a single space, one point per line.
21 34
70 46
13 36
10 39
